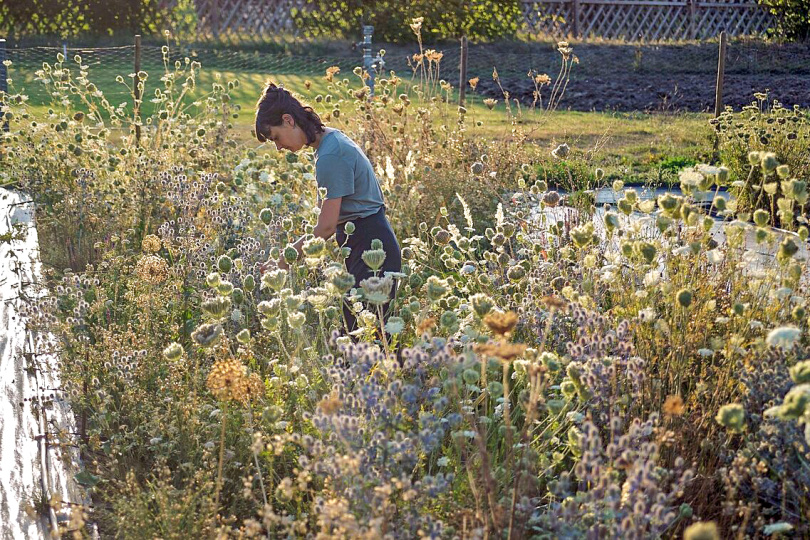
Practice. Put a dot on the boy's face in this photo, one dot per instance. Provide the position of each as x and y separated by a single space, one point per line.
288 135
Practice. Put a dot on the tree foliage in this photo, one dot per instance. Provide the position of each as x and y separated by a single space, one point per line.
443 19
792 18
73 18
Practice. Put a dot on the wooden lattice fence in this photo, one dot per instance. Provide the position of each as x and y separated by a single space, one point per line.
259 19
609 19
645 19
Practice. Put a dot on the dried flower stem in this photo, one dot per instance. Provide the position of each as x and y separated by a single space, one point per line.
221 459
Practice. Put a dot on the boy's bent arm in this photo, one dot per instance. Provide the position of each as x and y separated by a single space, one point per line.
328 218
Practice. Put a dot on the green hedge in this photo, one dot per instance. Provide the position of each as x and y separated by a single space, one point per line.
479 20
91 18
792 18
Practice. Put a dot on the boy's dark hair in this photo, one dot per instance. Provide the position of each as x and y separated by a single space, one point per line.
276 102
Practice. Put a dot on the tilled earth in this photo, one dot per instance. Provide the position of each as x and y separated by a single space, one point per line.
662 92
645 77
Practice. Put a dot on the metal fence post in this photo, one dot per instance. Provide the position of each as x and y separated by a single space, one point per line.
462 73
368 62
3 79
575 9
137 91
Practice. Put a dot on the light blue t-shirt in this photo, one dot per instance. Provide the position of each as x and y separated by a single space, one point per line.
344 170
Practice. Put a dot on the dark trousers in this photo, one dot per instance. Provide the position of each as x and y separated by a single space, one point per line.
366 230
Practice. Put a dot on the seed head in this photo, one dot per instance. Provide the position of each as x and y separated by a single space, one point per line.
731 417
228 381
213 279
150 244
501 323
702 531
152 269
684 298
436 288
374 258
290 254
249 283
551 199
224 288
784 337
207 334
217 307
377 291
482 304
508 352
173 352
274 280
224 263
673 406
243 336
561 152
768 162
800 373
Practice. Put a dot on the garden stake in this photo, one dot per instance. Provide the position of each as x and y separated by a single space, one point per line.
137 90
462 72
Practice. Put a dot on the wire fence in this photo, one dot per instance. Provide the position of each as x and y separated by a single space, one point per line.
622 68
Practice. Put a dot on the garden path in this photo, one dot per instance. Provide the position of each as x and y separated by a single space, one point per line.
757 257
32 469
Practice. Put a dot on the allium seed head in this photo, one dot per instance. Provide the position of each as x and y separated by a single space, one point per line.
151 244
152 269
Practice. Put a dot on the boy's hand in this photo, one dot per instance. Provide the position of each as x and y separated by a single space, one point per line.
267 265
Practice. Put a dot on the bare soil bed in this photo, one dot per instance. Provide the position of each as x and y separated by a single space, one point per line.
646 77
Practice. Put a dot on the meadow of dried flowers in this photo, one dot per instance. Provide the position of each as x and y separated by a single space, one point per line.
563 371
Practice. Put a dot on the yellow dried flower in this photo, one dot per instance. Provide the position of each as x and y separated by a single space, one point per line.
150 244
502 323
152 269
331 72
474 82
673 406
553 302
507 352
426 325
227 380
702 530
542 79
330 404
490 103
255 386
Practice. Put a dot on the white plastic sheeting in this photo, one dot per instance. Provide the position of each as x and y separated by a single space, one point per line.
33 469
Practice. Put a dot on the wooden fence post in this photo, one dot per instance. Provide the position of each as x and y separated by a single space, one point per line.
692 25
3 81
215 18
462 72
575 16
137 91
721 67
